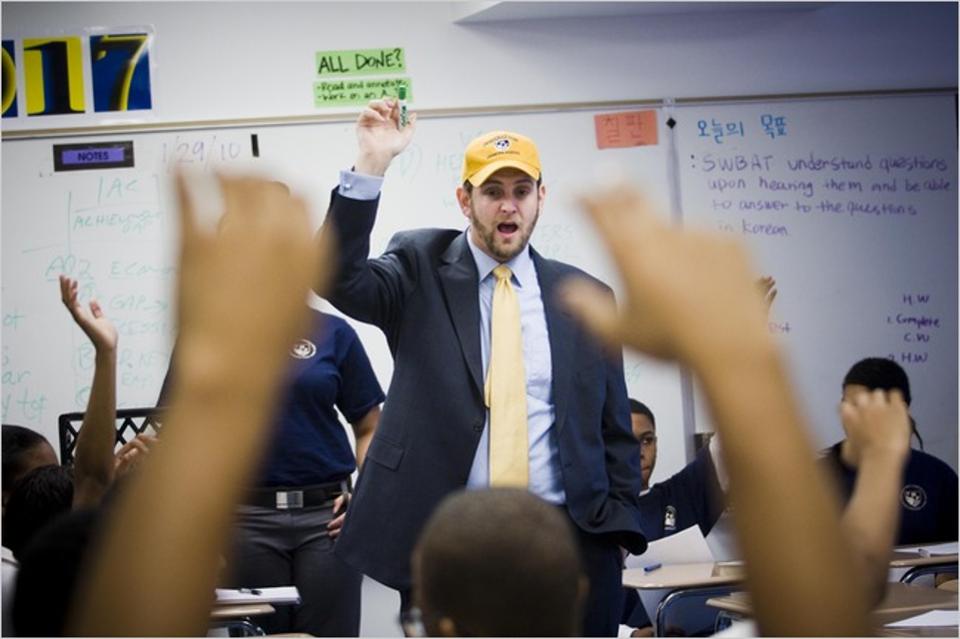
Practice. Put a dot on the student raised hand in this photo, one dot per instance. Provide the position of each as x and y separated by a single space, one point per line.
241 304
94 468
767 287
250 277
692 296
132 453
380 137
683 288
877 426
94 323
877 423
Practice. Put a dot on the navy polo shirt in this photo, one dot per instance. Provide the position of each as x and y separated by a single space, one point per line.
928 496
691 497
328 368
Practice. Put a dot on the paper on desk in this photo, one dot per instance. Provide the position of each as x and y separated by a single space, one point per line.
275 595
685 547
929 619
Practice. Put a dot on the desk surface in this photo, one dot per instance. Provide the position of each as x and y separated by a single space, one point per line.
900 559
239 611
902 601
683 576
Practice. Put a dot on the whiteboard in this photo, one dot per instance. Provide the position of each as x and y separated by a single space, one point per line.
116 231
851 204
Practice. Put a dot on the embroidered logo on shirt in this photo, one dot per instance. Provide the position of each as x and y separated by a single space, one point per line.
913 497
669 518
303 349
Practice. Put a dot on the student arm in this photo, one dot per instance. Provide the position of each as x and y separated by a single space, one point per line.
94 460
880 423
180 507
691 296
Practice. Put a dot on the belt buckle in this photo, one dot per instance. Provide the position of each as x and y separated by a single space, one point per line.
289 499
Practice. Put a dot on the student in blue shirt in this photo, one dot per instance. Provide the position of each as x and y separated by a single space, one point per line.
287 525
691 497
928 497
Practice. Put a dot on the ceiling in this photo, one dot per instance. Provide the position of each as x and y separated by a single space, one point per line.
472 12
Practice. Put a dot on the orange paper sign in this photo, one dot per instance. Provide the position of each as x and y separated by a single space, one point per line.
626 128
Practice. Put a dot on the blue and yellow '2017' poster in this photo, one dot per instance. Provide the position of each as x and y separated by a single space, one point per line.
53 75
9 80
120 64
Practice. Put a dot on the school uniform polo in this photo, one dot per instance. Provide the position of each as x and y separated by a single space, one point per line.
691 497
328 370
928 495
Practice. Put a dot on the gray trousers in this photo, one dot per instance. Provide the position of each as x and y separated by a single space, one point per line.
291 547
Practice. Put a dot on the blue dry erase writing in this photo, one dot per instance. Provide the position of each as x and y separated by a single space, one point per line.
652 567
402 95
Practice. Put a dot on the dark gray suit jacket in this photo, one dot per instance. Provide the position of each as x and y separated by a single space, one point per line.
423 294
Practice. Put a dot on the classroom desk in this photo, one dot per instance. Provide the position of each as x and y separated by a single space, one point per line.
674 576
683 576
240 611
900 559
236 617
901 601
679 581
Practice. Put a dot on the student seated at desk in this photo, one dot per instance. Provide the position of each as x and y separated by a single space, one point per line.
695 494
23 450
928 488
691 497
37 498
49 568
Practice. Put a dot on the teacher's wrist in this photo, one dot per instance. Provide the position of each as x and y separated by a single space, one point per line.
372 163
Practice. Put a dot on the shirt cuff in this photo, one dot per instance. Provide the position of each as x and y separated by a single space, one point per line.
359 186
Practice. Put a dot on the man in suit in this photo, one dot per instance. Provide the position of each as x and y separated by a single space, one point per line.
561 430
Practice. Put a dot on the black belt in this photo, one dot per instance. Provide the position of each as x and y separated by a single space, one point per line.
283 498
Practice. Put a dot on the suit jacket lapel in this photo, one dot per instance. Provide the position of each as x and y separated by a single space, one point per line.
458 276
562 335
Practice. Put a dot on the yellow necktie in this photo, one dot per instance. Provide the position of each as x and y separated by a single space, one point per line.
506 388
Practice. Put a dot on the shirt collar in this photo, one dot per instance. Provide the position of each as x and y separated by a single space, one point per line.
521 265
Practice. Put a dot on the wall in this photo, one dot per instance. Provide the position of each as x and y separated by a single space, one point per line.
252 59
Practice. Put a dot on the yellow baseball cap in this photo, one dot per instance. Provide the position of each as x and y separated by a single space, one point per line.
497 150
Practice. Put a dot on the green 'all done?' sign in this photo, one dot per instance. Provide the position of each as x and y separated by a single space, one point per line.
360 62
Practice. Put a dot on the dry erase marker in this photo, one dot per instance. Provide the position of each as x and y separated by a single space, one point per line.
652 567
402 95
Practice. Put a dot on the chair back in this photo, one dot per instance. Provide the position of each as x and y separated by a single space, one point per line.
130 423
685 613
927 575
